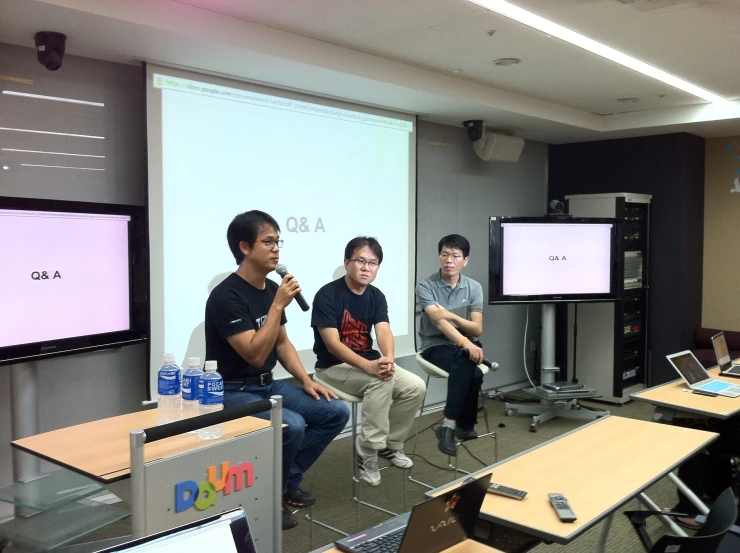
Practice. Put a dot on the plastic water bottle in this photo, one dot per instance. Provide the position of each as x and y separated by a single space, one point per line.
211 400
168 387
190 388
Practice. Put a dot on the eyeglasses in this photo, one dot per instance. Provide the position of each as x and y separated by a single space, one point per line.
373 264
270 243
454 256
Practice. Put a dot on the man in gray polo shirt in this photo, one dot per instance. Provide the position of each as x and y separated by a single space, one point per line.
451 320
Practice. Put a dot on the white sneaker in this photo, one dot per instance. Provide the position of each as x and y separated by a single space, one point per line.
397 458
368 465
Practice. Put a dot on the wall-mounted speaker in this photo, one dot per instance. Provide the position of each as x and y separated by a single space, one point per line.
499 147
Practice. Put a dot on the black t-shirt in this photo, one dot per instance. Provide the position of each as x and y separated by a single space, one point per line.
236 306
336 306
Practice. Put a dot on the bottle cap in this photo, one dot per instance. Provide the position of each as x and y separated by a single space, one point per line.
169 358
211 366
193 361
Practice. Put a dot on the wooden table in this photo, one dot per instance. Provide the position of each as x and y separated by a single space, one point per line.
101 449
598 467
674 396
467 546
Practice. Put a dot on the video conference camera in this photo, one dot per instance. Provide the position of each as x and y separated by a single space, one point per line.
50 49
557 206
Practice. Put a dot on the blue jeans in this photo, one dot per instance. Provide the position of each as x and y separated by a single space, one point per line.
312 424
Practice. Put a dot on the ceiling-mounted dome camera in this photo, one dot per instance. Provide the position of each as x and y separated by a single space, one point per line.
50 49
474 128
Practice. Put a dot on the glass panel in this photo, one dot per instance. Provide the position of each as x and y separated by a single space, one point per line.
51 529
51 491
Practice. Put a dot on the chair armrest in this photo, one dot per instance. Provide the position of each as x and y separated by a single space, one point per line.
645 514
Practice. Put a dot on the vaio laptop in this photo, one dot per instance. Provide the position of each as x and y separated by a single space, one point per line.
434 525
726 366
698 378
224 533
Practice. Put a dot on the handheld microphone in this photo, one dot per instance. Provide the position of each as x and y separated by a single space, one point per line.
282 270
490 364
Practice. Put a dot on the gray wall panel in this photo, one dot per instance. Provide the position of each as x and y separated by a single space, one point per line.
457 193
79 388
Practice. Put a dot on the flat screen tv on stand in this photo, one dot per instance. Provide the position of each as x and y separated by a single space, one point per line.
74 279
550 260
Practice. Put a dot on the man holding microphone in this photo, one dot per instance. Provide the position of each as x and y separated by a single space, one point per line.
245 333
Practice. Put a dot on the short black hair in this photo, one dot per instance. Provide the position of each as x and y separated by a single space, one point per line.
361 242
245 228
456 242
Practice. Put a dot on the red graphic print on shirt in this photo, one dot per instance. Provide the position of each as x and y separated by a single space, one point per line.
353 334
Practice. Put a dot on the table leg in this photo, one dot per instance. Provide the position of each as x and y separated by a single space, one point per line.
605 526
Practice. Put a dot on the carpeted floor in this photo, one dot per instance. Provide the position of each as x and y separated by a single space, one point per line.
330 480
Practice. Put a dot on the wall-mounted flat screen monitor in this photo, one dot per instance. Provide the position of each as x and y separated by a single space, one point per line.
73 277
548 259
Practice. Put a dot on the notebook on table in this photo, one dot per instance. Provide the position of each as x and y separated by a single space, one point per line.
726 366
697 377
225 533
432 526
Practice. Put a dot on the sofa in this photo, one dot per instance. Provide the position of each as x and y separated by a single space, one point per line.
703 345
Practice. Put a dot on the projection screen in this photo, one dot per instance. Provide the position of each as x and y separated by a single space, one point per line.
327 171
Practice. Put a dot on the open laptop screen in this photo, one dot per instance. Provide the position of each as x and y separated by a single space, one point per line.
689 367
720 349
227 533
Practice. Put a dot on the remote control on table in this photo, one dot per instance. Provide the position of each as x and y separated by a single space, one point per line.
513 493
560 504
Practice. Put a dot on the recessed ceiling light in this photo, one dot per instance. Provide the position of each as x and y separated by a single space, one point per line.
507 62
535 21
456 71
6 167
54 98
627 100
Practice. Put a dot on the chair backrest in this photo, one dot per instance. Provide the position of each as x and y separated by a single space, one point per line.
710 535
722 516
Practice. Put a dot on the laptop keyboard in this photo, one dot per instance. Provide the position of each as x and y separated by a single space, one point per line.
735 369
716 386
384 544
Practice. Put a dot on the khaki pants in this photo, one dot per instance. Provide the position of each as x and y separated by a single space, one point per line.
388 407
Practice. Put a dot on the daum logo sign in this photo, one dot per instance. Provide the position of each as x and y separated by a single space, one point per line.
189 493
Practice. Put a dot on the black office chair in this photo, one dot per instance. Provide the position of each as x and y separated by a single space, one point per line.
712 537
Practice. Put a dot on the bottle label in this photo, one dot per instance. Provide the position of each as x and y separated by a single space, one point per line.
168 382
190 385
213 392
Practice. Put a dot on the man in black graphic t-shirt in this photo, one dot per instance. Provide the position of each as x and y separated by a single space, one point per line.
344 311
245 334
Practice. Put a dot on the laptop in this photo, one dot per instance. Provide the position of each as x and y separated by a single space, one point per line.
697 377
432 526
225 533
726 366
